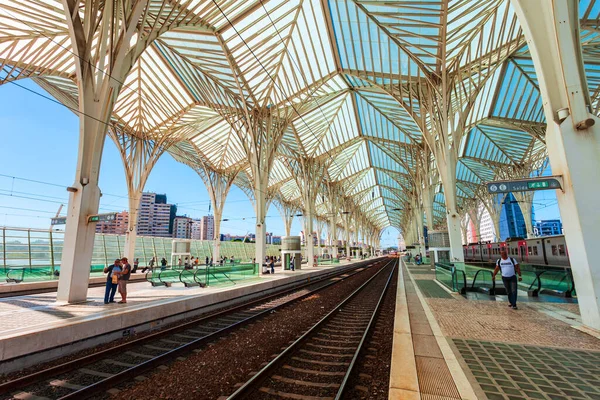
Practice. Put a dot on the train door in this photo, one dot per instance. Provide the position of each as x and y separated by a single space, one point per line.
523 250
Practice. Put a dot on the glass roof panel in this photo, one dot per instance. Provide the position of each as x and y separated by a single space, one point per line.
363 46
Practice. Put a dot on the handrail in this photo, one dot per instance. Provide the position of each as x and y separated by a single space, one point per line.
455 280
200 283
493 289
16 279
568 292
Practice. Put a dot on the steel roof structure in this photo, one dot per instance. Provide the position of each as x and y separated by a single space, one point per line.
379 99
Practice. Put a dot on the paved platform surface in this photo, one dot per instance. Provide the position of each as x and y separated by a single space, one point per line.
531 353
37 322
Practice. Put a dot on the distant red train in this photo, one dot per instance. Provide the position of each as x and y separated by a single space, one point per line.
546 250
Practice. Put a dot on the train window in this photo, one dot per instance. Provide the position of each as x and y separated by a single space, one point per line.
561 250
535 252
529 251
554 250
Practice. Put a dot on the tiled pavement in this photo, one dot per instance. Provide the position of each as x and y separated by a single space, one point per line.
524 354
513 371
435 379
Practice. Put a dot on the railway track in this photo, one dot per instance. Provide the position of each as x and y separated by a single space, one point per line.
320 362
98 372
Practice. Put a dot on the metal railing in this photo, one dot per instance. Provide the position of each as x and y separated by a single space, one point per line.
536 280
557 282
42 249
451 277
491 285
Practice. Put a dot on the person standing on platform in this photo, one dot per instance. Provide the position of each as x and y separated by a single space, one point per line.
292 263
206 261
123 279
509 267
163 264
272 264
112 280
136 264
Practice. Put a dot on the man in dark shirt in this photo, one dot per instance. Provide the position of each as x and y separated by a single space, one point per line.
111 284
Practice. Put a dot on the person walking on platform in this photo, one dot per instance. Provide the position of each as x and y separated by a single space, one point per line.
163 264
509 266
136 264
150 265
123 279
112 280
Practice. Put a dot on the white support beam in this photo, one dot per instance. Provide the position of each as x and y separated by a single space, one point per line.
552 31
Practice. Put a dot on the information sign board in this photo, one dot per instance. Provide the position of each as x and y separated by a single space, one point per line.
525 185
102 217
58 221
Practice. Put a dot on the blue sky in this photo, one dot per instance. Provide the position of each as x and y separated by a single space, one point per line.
39 142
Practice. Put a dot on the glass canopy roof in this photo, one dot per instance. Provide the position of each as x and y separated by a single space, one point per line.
361 79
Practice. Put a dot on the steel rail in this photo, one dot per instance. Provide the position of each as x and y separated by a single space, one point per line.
36 377
250 385
359 349
27 380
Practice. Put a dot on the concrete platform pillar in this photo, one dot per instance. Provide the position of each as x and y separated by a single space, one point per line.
308 234
101 68
84 198
572 136
260 198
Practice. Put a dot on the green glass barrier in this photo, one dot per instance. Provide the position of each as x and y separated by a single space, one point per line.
452 276
230 274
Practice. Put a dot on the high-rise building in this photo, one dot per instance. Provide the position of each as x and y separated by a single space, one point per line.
196 229
512 222
486 227
548 227
207 227
116 227
155 217
182 227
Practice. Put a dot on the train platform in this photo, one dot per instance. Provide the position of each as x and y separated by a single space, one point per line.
36 328
450 346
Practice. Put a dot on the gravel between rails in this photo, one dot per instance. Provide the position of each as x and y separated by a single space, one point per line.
215 369
371 377
105 346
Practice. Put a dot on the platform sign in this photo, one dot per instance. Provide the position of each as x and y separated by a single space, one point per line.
102 217
525 185
58 221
